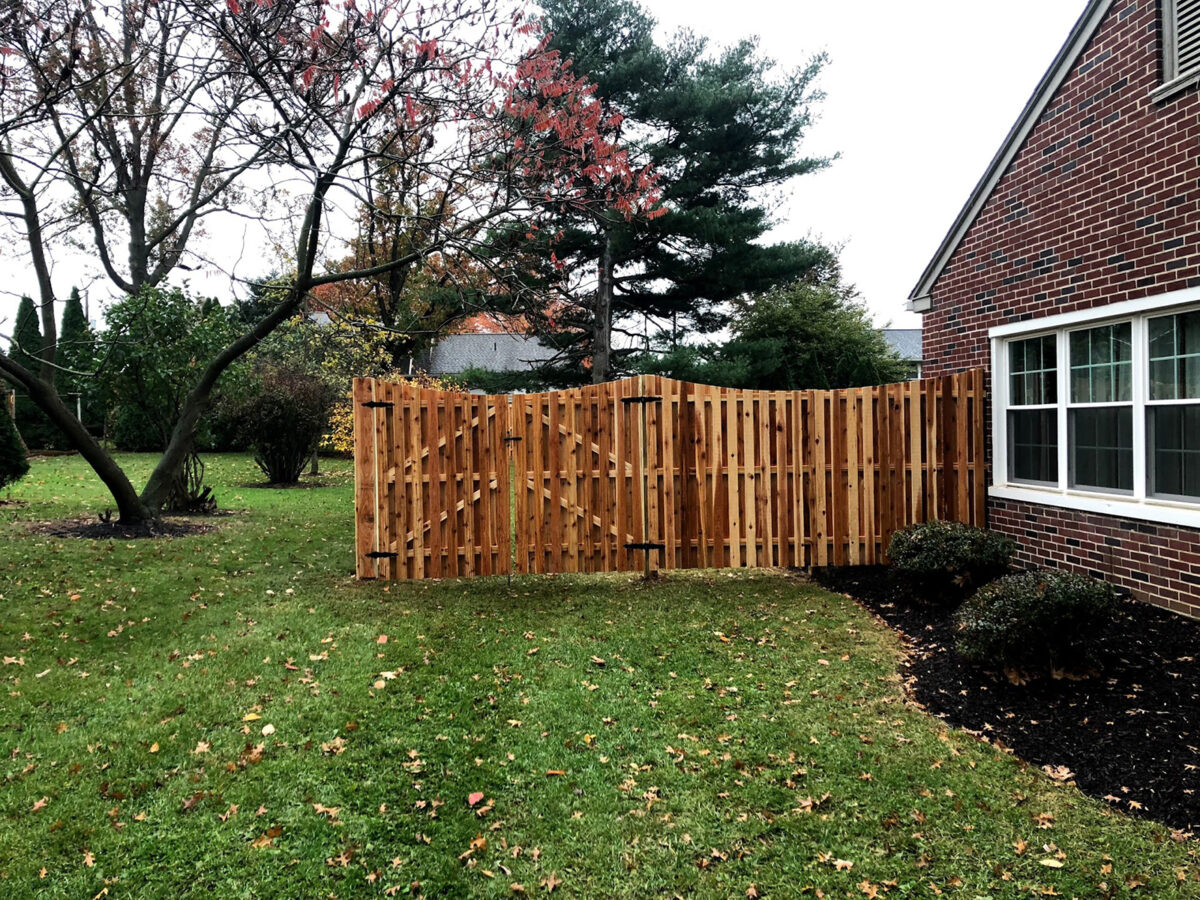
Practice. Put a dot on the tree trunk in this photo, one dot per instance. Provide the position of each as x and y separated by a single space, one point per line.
602 316
129 505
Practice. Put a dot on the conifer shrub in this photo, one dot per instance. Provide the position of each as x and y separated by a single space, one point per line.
949 558
1036 622
13 464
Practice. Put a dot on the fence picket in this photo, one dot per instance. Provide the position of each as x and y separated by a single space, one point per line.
715 477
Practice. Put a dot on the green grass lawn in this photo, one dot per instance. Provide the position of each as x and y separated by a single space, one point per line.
232 715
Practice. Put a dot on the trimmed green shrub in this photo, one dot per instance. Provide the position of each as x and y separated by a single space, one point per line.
950 554
284 420
13 464
1035 622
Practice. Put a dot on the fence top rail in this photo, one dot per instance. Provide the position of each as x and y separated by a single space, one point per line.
610 389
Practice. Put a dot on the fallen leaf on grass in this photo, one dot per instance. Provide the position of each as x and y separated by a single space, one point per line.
474 798
1059 773
40 804
1051 862
551 882
268 730
89 858
250 717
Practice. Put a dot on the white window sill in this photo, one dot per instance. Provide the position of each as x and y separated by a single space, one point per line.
1149 510
1167 91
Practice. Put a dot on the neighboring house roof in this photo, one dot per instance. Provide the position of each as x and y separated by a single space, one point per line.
906 342
1050 83
456 353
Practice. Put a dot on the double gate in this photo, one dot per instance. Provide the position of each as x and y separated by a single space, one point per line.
650 473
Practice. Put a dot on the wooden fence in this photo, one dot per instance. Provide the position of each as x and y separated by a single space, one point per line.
650 473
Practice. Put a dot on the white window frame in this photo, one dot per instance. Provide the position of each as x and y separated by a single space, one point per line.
1173 80
1138 504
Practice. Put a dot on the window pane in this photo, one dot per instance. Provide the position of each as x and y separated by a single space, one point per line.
1033 371
1101 364
1175 457
1101 448
1175 357
1033 445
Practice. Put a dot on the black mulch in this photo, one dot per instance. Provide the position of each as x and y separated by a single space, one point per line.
1130 735
97 529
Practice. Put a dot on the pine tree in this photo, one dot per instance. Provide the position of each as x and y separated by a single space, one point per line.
27 337
721 129
77 354
13 464
35 428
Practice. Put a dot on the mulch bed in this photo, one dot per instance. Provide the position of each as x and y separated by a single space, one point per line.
1130 735
97 529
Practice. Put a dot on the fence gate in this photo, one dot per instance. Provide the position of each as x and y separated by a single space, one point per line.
431 482
651 473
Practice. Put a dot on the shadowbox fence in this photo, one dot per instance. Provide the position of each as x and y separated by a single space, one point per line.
650 473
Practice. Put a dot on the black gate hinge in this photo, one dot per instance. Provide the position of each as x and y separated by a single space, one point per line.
647 399
510 439
381 554
379 404
646 546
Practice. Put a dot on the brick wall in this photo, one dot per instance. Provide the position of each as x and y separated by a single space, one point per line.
1101 204
1159 563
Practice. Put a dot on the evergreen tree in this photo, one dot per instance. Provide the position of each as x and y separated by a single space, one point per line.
798 337
13 464
76 355
722 129
27 337
35 428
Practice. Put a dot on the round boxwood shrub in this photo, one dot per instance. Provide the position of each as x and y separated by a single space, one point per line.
951 554
1035 622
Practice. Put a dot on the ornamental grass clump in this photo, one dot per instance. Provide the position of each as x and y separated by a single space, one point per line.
1036 622
949 558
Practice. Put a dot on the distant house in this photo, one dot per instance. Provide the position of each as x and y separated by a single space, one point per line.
1073 275
906 343
486 341
497 352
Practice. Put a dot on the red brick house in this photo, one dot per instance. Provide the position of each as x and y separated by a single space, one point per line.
1073 275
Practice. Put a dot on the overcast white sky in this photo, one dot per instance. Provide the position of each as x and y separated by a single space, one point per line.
919 97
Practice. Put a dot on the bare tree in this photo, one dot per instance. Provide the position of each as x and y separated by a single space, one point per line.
138 120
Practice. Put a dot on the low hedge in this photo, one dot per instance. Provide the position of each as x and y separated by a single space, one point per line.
1035 622
951 555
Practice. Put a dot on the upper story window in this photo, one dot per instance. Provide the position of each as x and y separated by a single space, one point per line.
1099 410
1181 38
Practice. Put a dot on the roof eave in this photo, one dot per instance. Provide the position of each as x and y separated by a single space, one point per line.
1085 27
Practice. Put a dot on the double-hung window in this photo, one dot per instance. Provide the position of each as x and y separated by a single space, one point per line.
1099 410
1173 406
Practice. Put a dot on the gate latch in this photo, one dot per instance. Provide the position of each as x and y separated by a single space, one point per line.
642 400
379 404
